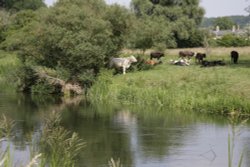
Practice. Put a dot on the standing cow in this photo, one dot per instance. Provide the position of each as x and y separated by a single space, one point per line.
199 57
234 56
156 55
186 54
123 63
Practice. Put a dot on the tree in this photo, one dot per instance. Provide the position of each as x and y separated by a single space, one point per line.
181 16
225 23
74 37
22 4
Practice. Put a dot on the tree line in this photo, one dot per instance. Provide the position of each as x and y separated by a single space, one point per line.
226 22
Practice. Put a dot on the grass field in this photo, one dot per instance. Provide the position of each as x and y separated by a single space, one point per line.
221 89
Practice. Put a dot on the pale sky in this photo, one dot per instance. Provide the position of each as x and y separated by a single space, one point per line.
214 8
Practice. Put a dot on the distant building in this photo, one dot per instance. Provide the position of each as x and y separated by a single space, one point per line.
220 33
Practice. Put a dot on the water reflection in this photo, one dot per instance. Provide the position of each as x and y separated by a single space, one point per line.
139 138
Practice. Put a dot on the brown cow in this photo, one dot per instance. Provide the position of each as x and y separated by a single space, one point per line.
186 54
156 55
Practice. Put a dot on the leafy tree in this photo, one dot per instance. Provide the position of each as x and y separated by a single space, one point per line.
4 23
181 16
147 33
73 36
225 23
22 4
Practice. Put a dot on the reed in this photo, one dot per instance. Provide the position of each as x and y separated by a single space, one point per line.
113 163
59 146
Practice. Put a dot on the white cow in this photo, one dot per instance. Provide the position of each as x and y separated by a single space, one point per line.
124 62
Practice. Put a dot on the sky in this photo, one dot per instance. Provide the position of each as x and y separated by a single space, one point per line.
213 8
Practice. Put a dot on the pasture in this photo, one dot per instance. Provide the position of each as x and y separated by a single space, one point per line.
219 89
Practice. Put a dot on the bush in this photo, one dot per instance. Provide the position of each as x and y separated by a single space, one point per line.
232 40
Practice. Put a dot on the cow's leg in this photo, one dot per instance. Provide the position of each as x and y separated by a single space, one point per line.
124 69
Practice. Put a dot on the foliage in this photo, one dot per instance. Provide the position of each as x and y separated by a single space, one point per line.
173 88
42 86
26 78
181 18
113 163
147 33
59 146
6 126
17 5
4 22
232 40
75 37
225 23
242 21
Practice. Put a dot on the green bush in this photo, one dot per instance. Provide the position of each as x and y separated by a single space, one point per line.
44 87
232 40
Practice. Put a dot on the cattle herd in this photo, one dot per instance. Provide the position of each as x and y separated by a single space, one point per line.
184 60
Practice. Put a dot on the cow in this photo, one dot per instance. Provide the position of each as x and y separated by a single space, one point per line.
123 63
234 56
205 63
186 54
156 55
199 57
181 62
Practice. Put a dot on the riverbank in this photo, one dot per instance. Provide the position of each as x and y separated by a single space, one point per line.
219 90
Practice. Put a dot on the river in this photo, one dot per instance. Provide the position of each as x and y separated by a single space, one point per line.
154 138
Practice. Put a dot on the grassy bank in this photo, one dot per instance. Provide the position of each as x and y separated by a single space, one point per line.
222 89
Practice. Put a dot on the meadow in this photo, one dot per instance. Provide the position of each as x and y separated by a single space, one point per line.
218 90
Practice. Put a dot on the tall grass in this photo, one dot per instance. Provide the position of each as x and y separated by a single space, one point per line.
58 146
220 90
236 122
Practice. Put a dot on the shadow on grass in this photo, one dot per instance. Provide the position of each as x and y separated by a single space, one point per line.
241 63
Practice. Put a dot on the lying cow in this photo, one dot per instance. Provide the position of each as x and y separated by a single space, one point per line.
205 63
123 63
181 62
199 57
234 57
156 55
186 54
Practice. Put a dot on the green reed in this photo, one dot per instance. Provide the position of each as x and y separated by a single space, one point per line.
57 147
115 163
236 122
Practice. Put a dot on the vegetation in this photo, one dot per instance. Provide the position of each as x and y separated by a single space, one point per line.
220 90
242 21
72 42
57 145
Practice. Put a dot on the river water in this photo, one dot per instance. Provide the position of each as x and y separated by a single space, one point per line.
154 138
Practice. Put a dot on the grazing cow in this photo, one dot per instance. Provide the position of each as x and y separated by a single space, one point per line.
199 57
188 54
156 55
205 63
234 56
124 62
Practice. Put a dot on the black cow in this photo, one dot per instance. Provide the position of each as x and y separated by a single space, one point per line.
188 54
199 57
156 55
234 56
205 63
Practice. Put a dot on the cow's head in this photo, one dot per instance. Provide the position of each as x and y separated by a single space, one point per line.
132 59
